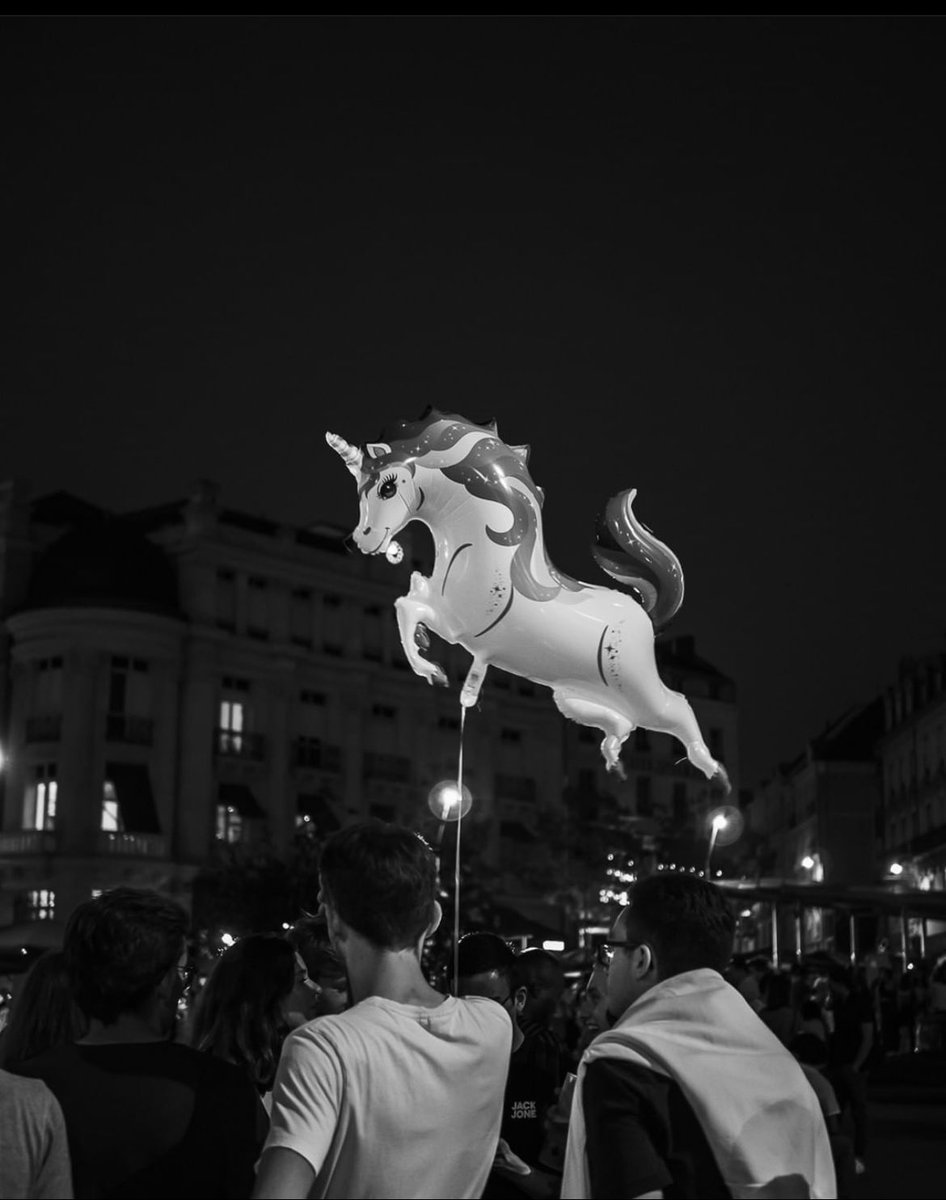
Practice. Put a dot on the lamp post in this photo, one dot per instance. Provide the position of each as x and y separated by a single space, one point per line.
719 823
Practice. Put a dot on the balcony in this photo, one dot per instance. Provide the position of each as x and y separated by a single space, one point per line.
27 842
46 728
310 752
250 747
132 845
134 731
391 768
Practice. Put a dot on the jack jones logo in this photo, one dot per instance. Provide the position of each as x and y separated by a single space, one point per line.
524 1110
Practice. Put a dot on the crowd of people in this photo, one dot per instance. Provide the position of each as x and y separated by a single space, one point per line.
321 1061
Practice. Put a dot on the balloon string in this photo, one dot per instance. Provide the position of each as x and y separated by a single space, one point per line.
456 865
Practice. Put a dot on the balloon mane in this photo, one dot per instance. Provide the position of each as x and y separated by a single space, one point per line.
491 470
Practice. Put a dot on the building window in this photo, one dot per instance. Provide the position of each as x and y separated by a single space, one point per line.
47 694
39 807
306 696
332 635
229 824
41 905
226 599
111 816
300 617
680 812
257 607
387 712
513 736
515 787
129 687
232 725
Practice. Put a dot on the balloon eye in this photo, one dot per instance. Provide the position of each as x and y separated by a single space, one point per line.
388 488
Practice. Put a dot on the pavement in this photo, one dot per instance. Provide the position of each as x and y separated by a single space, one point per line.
907 1131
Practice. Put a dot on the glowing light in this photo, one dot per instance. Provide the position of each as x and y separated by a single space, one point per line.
446 803
228 939
719 874
807 862
896 868
746 912
553 945
720 822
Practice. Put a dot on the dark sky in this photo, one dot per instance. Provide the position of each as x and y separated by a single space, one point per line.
702 257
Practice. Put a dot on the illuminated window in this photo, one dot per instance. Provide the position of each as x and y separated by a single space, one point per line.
232 725
111 817
40 905
39 805
229 824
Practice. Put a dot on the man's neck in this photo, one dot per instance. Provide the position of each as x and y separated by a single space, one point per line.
129 1028
390 974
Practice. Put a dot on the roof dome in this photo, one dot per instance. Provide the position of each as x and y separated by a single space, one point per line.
105 563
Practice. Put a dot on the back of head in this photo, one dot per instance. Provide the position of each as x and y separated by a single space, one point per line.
381 880
119 946
239 1014
44 1013
483 953
687 920
541 974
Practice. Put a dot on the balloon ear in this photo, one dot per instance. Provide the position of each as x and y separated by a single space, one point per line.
522 453
377 449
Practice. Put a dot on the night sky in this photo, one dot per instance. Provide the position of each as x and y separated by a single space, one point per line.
701 257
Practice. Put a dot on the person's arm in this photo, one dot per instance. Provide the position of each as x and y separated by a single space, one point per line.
283 1175
306 1100
53 1177
867 1043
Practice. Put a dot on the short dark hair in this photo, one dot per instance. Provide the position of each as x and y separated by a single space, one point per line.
535 968
119 946
688 921
381 879
480 952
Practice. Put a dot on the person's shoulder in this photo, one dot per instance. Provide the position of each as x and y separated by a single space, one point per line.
25 1090
48 1064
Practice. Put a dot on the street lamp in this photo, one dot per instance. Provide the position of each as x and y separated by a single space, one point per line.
896 868
719 823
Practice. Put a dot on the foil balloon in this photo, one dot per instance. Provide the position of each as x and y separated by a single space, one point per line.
494 591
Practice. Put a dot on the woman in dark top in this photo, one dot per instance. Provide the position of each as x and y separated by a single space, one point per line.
242 1013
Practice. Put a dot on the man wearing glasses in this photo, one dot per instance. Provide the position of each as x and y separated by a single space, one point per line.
145 1115
688 1094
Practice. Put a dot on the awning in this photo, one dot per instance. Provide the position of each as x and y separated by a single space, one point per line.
319 810
239 796
136 805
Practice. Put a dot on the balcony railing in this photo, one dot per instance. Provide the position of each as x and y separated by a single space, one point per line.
229 744
137 731
46 728
310 752
27 841
133 845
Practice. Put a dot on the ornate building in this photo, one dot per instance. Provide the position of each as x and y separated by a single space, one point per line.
191 674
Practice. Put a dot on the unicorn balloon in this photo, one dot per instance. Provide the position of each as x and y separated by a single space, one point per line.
494 591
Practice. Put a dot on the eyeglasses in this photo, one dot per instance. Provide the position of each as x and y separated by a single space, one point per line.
502 1002
606 951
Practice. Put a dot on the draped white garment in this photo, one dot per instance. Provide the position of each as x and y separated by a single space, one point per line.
756 1107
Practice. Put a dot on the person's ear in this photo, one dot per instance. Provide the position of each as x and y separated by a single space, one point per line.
646 961
436 916
519 997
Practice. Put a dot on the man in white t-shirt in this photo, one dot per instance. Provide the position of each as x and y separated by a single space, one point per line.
401 1095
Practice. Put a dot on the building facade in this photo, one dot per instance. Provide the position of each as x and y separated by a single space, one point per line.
192 675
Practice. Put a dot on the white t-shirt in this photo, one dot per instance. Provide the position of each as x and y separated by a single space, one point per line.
394 1099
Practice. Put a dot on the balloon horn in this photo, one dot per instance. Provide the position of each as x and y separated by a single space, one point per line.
350 455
